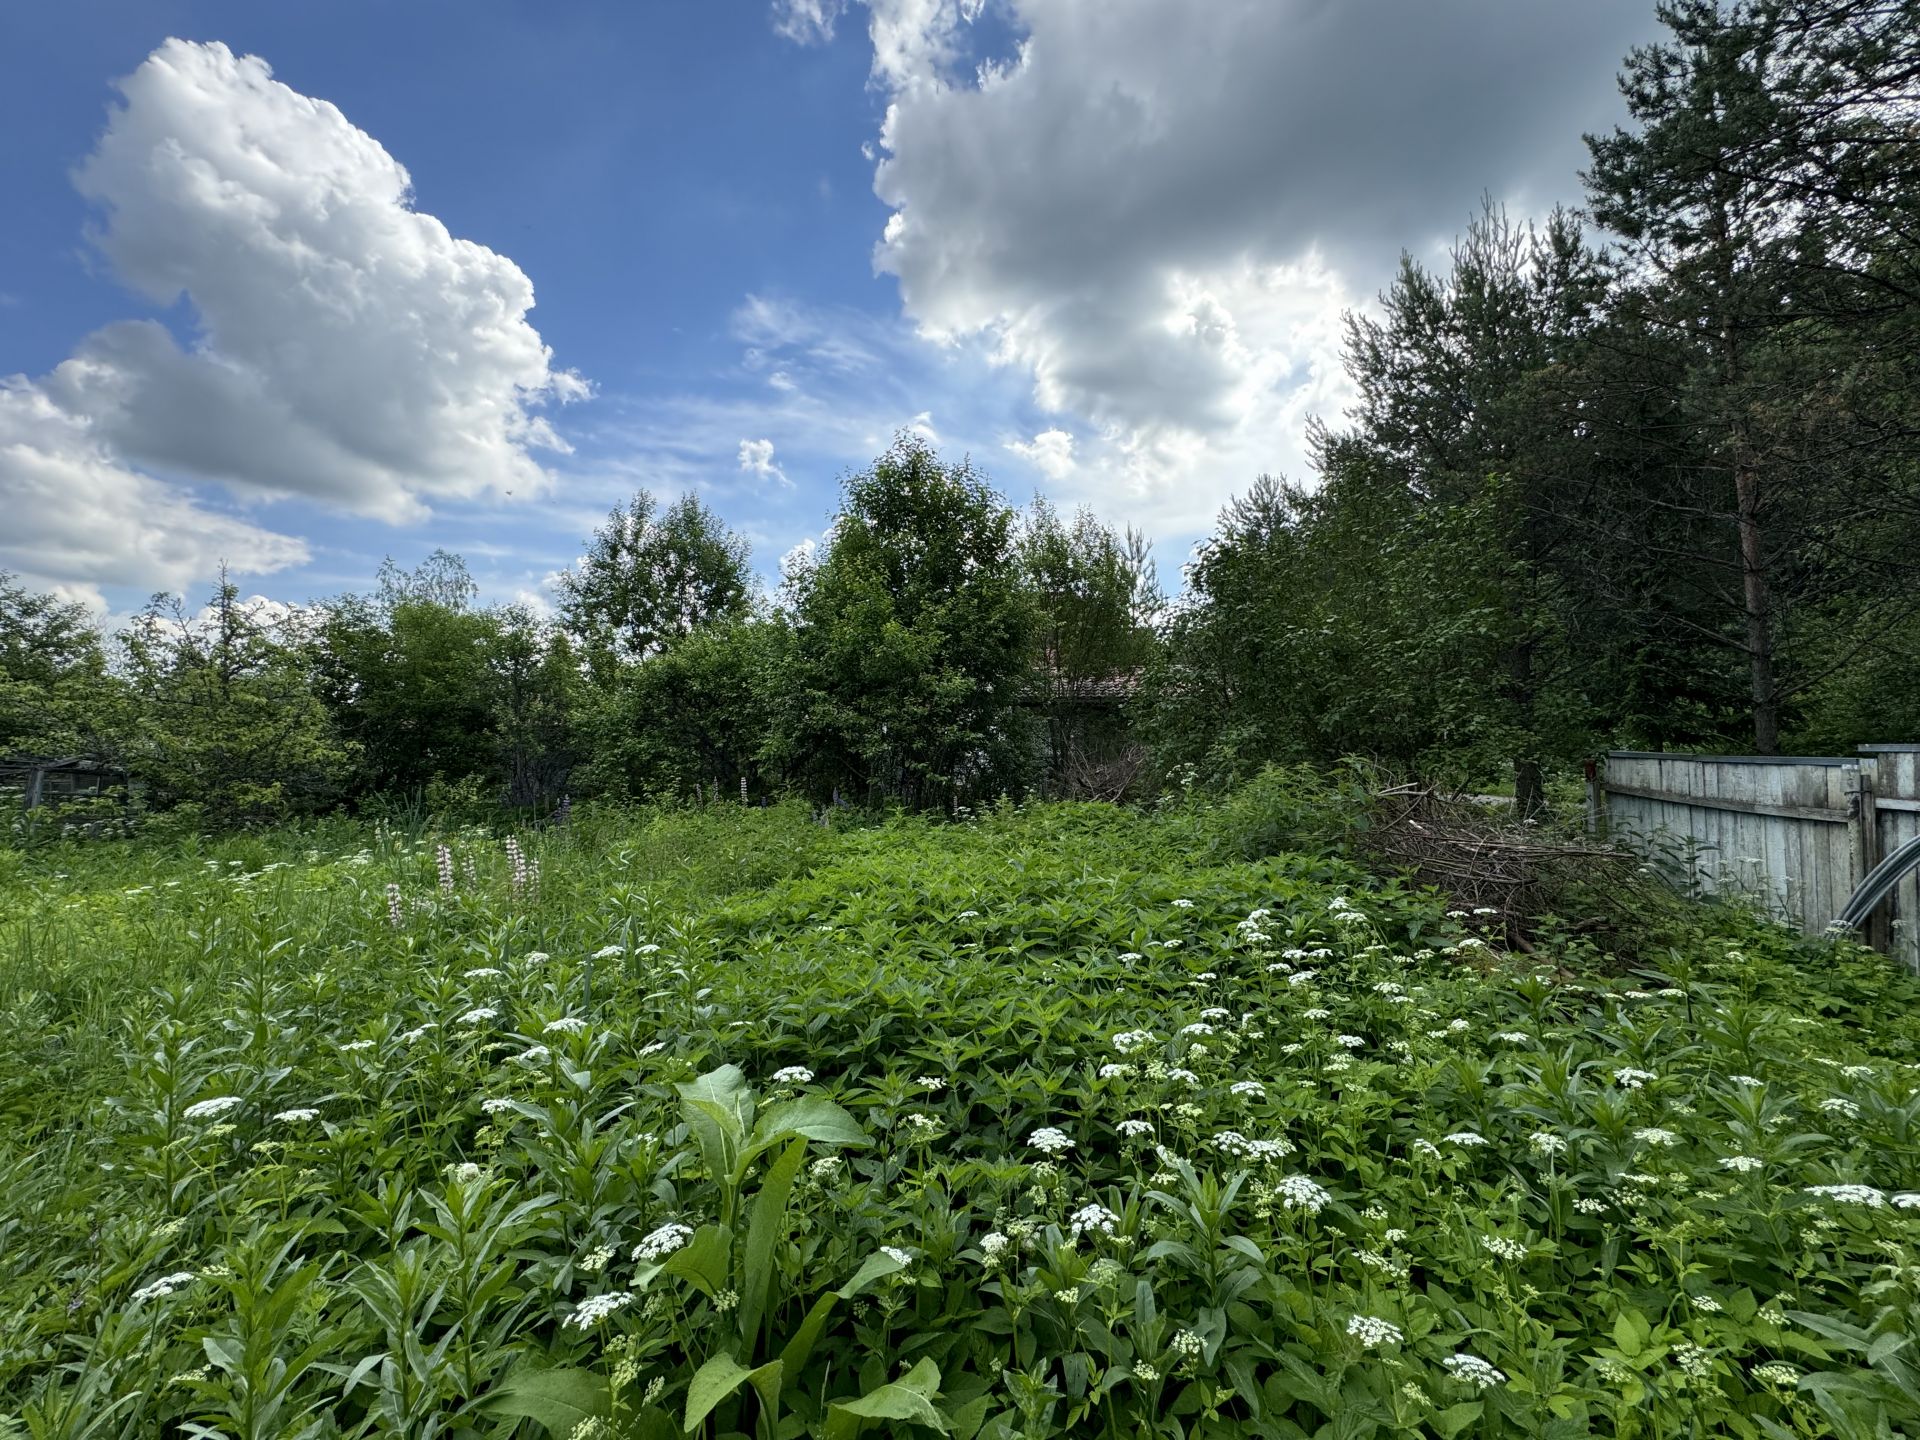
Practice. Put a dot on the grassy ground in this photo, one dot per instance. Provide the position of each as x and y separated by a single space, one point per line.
1065 1121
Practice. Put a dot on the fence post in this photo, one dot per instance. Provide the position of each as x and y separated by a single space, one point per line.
1594 797
1863 848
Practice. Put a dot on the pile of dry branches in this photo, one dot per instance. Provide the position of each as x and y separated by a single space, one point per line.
1486 860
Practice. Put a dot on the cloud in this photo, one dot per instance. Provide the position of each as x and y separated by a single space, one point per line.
1050 452
807 22
76 517
1158 211
756 458
347 348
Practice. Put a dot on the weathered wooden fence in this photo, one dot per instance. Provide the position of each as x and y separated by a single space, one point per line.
1796 834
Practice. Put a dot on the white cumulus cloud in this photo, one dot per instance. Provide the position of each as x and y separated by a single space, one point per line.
756 458
1159 210
1050 452
346 347
75 517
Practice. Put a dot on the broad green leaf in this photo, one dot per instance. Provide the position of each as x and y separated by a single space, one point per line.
876 1266
704 1260
799 1349
718 1109
909 1398
813 1116
765 1230
558 1400
712 1383
1451 1421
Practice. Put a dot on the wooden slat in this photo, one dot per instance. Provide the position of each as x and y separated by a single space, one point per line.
1821 814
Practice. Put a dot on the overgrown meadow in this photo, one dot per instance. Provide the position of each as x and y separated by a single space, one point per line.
1064 1120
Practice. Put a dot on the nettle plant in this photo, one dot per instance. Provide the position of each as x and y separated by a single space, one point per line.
1024 1126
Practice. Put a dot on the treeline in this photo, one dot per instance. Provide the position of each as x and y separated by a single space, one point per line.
1652 485
1644 475
939 650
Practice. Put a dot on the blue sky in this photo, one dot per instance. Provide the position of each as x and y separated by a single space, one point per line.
1101 245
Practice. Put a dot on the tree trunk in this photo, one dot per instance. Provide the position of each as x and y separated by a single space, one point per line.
1754 589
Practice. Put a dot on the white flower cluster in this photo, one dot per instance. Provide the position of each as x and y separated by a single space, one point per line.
1135 1129
165 1285
1248 1089
298 1114
479 1015
1654 1135
212 1109
1466 1138
662 1242
496 1104
1092 1217
1633 1079
993 1245
1742 1164
1473 1370
565 1025
1850 1194
1050 1140
595 1308
1839 1105
1506 1249
1297 1192
1545 1142
793 1075
899 1257
1232 1142
1372 1332
1128 1041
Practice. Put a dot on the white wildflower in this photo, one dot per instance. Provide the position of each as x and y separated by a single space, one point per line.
1297 1192
165 1285
595 1308
1050 1140
659 1243
1371 1331
1090 1218
1850 1194
1473 1370
212 1109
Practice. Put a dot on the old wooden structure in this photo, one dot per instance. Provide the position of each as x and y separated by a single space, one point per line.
40 780
1796 834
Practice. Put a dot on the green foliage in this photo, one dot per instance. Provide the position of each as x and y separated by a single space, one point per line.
55 697
1065 1120
697 717
436 696
1095 597
910 642
223 720
650 579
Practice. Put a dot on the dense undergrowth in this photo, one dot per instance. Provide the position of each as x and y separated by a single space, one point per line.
1065 1120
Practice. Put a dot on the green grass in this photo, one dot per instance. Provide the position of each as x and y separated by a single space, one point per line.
1069 1120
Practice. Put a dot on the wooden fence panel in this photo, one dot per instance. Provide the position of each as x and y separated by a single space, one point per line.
1896 786
1778 831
